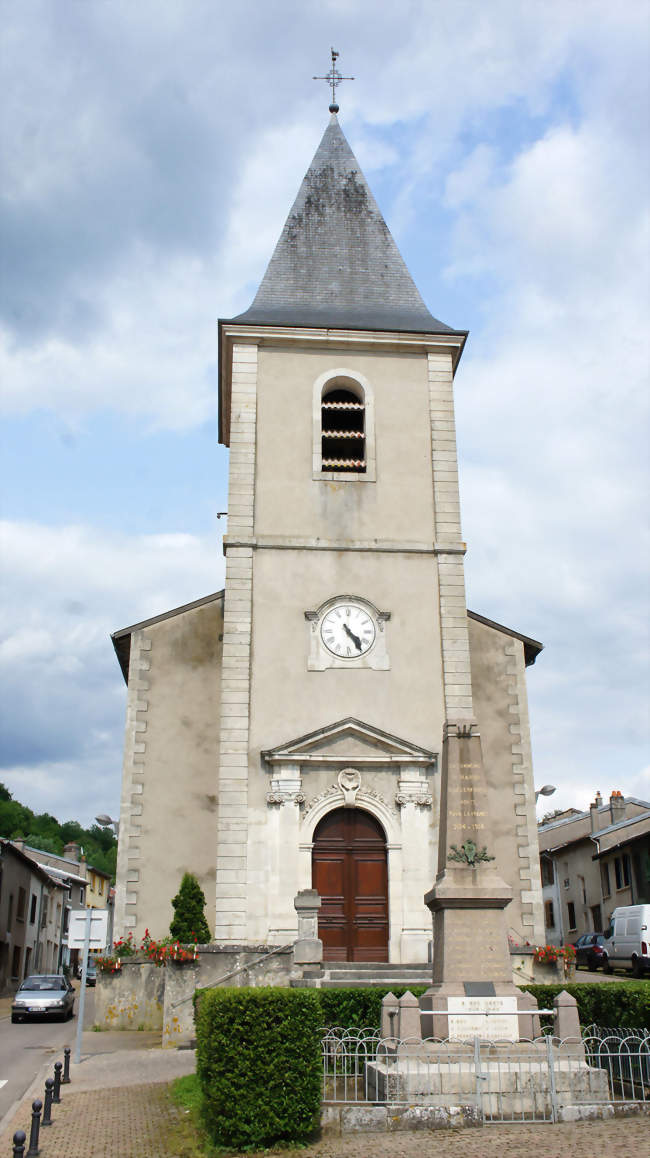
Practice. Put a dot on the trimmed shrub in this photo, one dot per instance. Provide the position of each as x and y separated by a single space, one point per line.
611 1004
358 1008
188 923
259 1064
615 1003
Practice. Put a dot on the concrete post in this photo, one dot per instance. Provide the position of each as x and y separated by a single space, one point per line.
409 1018
389 1015
529 1027
567 1021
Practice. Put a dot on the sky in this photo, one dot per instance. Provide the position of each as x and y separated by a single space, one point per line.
152 152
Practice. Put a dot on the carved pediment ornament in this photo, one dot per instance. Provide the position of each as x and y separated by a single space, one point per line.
349 781
285 797
420 799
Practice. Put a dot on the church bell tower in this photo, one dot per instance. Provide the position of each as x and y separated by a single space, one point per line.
346 645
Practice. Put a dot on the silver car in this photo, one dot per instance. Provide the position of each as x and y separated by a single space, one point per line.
43 995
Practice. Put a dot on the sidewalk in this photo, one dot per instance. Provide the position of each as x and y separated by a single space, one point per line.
139 1121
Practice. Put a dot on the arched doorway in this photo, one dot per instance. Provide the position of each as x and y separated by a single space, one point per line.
350 872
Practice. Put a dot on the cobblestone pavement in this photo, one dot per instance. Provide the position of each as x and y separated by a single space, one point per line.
140 1121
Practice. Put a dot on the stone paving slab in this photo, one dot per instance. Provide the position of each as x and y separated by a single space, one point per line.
125 1122
140 1120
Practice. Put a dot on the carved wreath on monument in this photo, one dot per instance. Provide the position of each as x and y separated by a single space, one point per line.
469 853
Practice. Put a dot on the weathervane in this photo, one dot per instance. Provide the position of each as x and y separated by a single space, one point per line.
333 78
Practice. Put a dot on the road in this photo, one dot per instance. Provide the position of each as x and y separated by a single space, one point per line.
26 1047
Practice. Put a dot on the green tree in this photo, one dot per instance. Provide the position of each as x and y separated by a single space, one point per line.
189 923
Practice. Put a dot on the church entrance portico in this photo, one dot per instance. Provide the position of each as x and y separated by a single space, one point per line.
350 873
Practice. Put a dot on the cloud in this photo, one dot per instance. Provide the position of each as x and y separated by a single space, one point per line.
66 590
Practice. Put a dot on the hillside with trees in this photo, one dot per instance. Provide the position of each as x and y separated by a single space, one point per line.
41 830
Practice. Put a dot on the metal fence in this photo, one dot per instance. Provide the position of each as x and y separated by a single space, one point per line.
525 1081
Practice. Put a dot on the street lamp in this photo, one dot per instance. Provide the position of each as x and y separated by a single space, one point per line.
107 822
545 790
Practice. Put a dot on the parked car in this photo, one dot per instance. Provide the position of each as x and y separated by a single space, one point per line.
627 941
43 995
91 972
590 951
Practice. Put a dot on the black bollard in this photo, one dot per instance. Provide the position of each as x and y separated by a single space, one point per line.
47 1112
56 1096
33 1151
19 1144
65 1080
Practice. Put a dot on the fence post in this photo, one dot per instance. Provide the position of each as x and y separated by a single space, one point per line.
551 1078
19 1144
65 1080
47 1112
37 1106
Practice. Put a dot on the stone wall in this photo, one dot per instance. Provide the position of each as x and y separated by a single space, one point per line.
131 998
148 996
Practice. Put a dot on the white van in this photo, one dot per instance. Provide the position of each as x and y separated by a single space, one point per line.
627 941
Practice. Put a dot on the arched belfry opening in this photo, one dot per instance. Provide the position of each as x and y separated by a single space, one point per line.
350 873
343 429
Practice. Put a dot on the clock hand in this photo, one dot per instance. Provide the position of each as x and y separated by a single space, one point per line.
355 638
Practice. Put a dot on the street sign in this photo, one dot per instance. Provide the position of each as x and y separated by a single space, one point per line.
77 927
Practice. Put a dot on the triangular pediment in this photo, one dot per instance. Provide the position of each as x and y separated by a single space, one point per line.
346 741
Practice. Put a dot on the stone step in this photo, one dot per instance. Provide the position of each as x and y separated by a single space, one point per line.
375 966
365 981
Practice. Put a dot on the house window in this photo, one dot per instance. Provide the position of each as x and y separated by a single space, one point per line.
597 918
566 882
343 421
547 871
571 912
22 902
15 961
100 886
10 913
622 871
604 876
32 909
549 915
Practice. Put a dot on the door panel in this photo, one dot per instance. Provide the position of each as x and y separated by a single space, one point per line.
350 873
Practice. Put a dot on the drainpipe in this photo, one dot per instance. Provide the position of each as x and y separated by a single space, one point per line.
38 931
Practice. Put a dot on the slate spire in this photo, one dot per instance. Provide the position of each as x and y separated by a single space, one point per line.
336 264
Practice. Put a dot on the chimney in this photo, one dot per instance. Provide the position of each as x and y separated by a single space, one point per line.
71 851
593 813
617 807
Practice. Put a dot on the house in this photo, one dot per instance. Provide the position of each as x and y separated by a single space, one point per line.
591 863
87 887
32 913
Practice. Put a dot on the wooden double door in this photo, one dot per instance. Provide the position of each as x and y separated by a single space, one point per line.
350 872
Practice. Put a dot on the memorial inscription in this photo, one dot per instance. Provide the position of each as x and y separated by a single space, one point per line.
494 1018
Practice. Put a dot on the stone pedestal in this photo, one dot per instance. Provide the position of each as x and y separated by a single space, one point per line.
471 954
308 949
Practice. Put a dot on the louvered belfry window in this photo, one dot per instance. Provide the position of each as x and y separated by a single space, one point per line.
343 432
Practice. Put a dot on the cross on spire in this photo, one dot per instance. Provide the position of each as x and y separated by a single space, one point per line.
333 77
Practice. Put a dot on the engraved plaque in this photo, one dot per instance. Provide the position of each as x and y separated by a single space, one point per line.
467 1018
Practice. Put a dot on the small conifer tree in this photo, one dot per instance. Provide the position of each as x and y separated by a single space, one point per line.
189 923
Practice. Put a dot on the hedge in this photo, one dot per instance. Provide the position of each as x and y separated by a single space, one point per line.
605 1003
259 1065
621 1004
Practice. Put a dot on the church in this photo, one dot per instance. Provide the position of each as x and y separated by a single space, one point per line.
286 733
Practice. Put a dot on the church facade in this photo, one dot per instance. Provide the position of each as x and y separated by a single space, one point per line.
286 733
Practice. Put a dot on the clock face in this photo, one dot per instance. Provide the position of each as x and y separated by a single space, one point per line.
347 630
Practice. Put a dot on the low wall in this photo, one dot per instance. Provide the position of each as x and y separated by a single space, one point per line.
147 996
213 966
132 998
527 971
